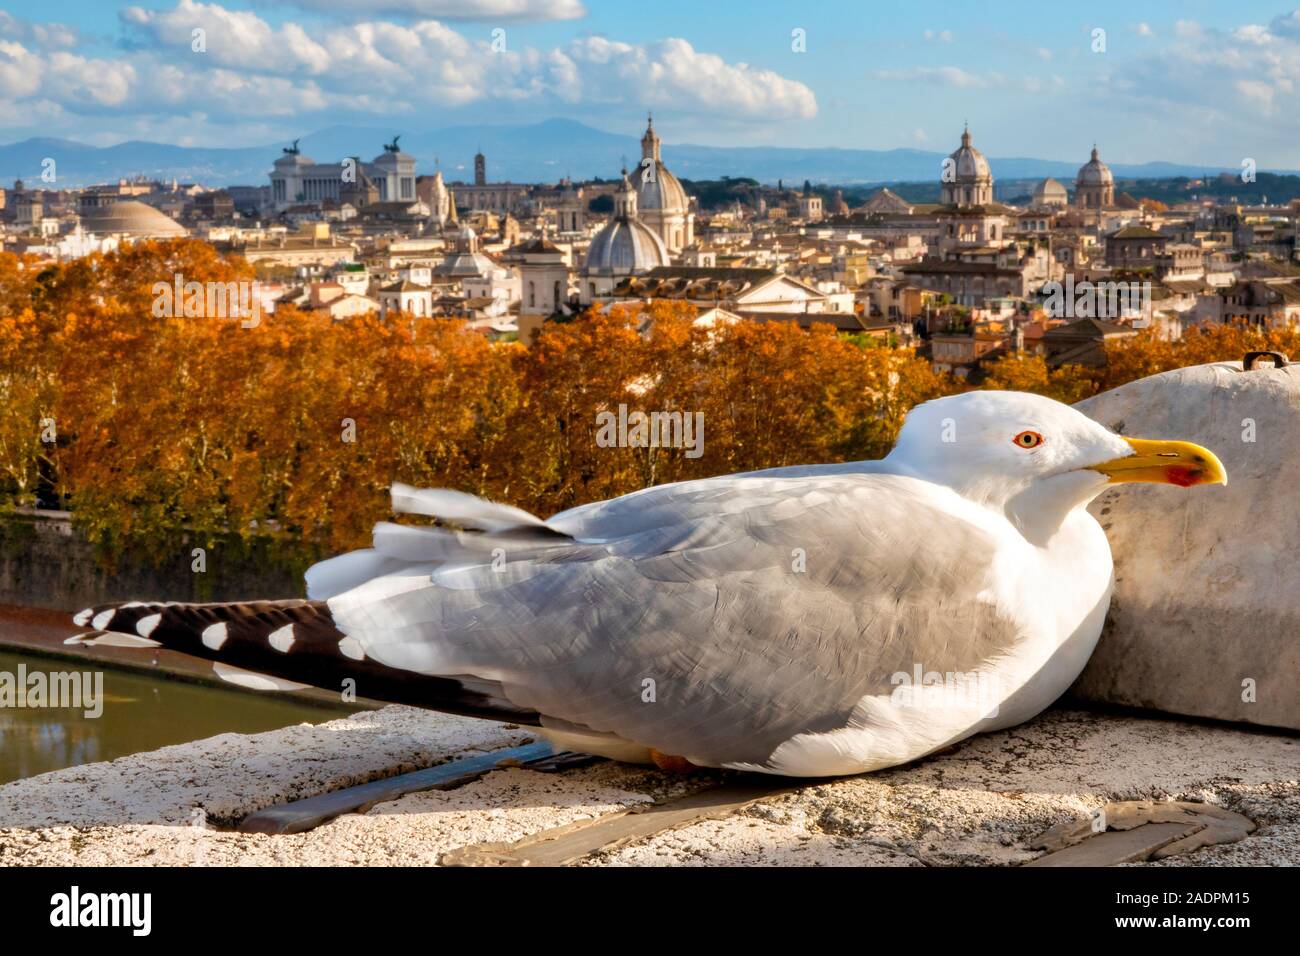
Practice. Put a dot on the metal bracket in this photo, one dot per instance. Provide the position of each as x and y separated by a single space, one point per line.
1279 360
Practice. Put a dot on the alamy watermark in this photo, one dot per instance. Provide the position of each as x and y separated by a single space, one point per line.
76 690
949 690
208 300
651 430
133 911
1105 299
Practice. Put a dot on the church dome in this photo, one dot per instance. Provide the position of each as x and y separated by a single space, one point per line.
662 192
659 191
1050 193
967 180
128 217
969 163
1094 172
626 245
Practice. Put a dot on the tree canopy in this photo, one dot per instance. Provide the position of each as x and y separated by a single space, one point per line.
154 431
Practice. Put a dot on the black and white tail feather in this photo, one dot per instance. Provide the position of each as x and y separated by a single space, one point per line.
292 644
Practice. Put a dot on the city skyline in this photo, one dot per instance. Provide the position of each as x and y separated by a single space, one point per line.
1190 83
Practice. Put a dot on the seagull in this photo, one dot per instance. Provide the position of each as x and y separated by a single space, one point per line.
807 621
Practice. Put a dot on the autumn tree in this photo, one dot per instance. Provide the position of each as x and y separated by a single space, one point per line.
28 433
1148 354
1022 372
167 428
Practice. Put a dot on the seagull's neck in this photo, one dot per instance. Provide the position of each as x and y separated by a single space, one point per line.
1041 508
1037 509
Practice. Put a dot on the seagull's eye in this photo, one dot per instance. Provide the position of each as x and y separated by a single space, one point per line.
1028 439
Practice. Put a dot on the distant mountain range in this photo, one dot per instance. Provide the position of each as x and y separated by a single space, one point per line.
541 152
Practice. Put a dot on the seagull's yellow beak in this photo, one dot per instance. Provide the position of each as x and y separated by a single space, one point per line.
1168 462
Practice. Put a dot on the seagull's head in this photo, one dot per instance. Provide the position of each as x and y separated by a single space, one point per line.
1034 457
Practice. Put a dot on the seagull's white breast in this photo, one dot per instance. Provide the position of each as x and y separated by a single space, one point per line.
1057 594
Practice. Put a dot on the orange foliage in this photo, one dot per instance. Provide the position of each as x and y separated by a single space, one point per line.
193 429
1146 353
1029 373
769 394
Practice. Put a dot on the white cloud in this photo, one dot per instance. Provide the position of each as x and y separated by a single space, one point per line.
104 83
1257 92
942 36
940 75
1243 84
1144 30
673 73
1254 34
62 77
500 11
232 37
43 36
20 71
252 71
957 78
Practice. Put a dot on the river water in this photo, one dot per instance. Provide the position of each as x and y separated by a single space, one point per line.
138 713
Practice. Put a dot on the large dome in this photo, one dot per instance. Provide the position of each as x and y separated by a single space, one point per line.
1094 172
127 217
661 192
624 247
627 245
1050 193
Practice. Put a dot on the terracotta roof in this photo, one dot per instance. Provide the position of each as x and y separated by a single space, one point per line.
1135 232
930 265
843 321
540 244
1090 328
710 272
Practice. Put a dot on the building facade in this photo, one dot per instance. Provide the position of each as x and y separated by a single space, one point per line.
297 179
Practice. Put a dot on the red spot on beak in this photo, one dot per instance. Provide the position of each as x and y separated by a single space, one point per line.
1182 477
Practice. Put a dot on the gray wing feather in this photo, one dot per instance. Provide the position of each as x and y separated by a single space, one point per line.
466 509
695 587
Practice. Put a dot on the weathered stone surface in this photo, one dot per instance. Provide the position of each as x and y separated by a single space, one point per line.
981 803
1115 847
1206 613
1133 830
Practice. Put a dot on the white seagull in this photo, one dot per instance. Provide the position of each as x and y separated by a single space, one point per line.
809 621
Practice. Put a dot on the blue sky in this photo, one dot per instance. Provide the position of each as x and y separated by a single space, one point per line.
1191 81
